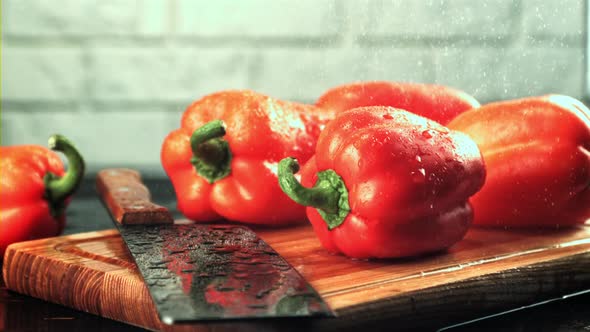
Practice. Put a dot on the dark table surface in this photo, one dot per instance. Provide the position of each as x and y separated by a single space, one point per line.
23 313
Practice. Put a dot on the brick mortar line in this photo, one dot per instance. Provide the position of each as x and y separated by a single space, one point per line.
343 43
254 48
42 106
179 42
110 106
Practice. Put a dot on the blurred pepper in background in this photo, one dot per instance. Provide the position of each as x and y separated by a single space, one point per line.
35 190
537 156
436 102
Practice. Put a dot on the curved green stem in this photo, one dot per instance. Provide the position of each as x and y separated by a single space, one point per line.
58 189
321 196
329 195
211 154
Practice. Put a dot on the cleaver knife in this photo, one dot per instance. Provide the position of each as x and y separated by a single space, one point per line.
201 272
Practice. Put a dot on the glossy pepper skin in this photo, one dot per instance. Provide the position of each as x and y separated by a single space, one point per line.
436 102
223 159
387 183
537 155
35 190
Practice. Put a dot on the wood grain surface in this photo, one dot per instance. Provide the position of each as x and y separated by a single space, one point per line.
128 199
490 270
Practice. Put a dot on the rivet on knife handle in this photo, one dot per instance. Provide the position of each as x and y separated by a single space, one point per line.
128 199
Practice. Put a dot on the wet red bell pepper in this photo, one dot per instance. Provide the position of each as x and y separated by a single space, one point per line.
387 183
436 102
35 189
537 155
223 159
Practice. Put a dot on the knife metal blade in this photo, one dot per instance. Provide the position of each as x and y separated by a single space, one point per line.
200 272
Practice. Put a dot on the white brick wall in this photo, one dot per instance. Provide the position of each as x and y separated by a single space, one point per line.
444 19
304 74
116 75
492 73
255 19
165 74
555 20
50 74
85 18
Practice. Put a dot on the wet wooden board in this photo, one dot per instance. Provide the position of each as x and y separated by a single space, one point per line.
490 270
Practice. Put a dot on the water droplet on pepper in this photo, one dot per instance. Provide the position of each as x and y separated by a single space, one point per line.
427 134
419 176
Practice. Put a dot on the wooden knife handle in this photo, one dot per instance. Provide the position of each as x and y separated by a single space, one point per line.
128 199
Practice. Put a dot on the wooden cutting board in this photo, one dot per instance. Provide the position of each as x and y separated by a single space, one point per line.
489 271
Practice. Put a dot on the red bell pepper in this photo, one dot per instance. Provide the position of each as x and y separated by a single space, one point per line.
223 160
537 155
436 102
387 183
35 190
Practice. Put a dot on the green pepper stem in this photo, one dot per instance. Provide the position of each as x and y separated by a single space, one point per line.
322 196
211 154
329 194
208 131
59 188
